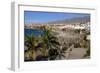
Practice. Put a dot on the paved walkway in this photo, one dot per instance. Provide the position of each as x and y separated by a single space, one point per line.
76 53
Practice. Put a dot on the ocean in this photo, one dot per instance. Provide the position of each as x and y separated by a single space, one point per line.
36 32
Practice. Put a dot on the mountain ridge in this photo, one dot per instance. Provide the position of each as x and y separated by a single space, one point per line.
77 20
72 21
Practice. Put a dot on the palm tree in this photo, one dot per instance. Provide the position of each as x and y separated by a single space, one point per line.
51 43
61 52
42 50
31 43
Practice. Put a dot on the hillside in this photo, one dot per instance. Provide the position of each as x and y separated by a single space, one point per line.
72 21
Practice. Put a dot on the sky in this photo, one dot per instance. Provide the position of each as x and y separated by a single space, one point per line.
44 17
